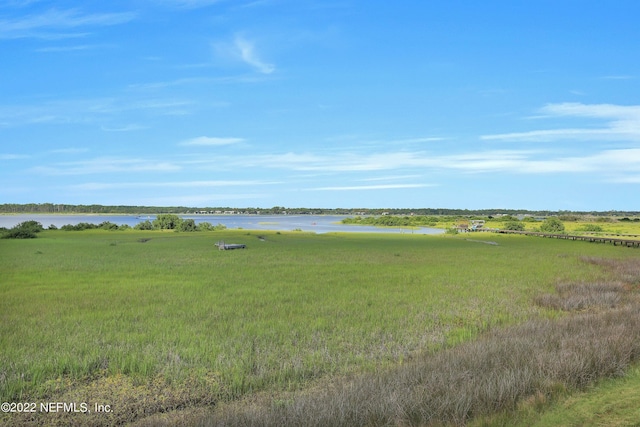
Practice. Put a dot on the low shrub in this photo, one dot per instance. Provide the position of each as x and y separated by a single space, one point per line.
144 225
24 230
552 225
590 227
19 233
79 227
514 225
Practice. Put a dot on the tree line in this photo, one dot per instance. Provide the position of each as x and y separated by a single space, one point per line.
53 208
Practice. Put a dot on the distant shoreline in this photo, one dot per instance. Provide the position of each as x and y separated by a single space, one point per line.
95 209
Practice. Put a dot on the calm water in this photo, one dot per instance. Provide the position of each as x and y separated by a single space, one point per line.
314 223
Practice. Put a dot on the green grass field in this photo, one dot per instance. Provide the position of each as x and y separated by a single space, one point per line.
152 322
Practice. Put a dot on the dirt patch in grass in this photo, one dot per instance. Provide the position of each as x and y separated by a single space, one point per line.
118 400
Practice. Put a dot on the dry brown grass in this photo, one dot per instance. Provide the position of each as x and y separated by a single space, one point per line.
583 296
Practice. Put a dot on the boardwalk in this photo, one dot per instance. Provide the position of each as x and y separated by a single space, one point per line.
586 238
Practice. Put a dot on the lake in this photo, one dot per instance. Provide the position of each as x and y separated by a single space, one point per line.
313 223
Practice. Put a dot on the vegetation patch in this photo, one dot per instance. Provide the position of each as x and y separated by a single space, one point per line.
24 230
581 296
301 318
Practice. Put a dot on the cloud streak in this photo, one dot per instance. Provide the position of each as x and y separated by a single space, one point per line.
97 186
622 123
373 187
13 156
210 141
106 165
492 161
69 111
189 4
49 24
245 49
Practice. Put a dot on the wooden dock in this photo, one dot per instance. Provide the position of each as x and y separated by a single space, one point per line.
587 238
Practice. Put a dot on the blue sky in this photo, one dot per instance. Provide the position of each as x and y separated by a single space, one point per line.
336 103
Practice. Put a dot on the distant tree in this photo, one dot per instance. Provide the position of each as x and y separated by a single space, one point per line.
552 225
205 226
167 222
145 225
79 227
34 226
107 225
514 225
53 227
188 225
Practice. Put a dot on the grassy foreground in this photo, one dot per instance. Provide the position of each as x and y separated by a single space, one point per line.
153 322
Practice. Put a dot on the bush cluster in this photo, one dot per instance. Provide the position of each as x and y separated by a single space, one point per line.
24 230
590 227
174 222
552 225
29 229
514 225
105 225
395 221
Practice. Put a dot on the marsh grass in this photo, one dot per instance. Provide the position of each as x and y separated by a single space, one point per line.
582 296
169 313
532 361
502 370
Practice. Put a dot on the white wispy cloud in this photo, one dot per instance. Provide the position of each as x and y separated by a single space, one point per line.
188 4
68 150
246 50
13 156
490 161
632 179
58 49
210 141
67 111
51 23
619 77
391 178
170 184
422 139
170 83
372 187
126 128
19 3
106 165
622 123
